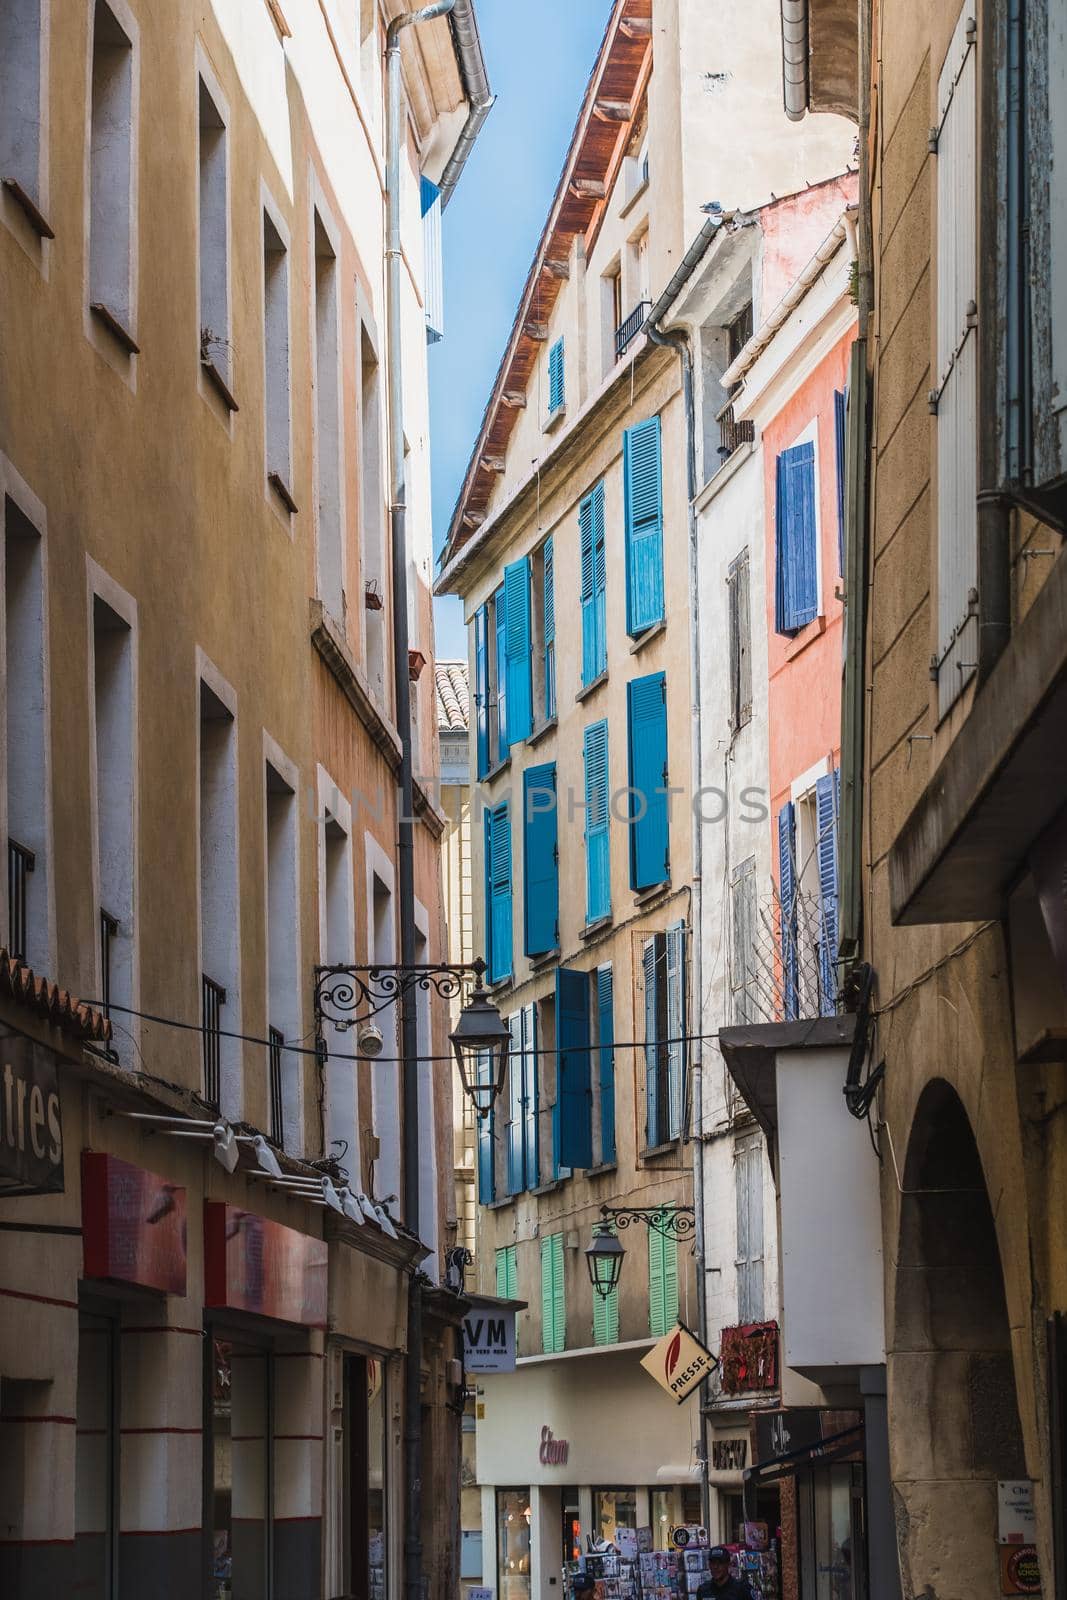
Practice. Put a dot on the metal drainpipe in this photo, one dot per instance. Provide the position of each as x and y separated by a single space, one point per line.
679 343
480 95
409 1043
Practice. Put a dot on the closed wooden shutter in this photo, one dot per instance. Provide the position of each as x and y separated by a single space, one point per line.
553 1305
827 799
677 1054
549 627
531 1099
498 891
743 965
594 582
662 1283
481 688
507 1273
556 372
541 859
649 816
840 413
515 1110
642 478
740 642
787 895
748 1185
500 614
796 534
519 650
605 999
597 823
573 1121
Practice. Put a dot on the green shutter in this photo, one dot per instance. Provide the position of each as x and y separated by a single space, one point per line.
662 1283
606 1316
670 1283
553 1308
507 1273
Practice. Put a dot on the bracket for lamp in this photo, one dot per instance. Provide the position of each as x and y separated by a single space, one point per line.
672 1222
345 995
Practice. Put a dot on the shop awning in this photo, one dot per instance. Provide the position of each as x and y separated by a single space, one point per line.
834 1448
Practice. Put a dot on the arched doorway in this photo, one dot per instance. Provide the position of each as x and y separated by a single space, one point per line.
953 1412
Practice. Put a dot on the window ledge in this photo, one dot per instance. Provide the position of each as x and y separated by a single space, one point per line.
117 330
281 489
587 688
494 772
655 1152
219 384
544 958
627 207
30 210
541 732
553 1186
603 1170
798 642
499 1205
499 986
593 929
646 896
555 419
649 634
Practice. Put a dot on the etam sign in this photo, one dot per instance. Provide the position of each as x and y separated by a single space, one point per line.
489 1340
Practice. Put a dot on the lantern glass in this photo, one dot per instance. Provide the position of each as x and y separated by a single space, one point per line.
481 1041
604 1258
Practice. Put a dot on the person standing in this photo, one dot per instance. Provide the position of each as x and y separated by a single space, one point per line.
720 1586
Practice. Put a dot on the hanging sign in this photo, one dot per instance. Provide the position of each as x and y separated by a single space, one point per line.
679 1363
489 1340
133 1224
252 1263
31 1124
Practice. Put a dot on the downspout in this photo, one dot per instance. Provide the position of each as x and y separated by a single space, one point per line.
409 1043
480 96
795 58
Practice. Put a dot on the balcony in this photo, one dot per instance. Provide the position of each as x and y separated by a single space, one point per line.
748 1358
627 331
212 999
20 863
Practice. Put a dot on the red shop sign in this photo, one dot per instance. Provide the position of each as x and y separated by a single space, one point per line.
254 1264
133 1224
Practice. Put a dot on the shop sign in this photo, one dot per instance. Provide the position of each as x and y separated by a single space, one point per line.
133 1224
489 1340
729 1455
1016 1523
31 1122
553 1452
679 1363
1019 1570
254 1264
480 1594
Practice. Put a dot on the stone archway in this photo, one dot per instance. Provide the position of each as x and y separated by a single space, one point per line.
953 1411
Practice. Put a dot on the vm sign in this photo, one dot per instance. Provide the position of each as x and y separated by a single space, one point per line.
489 1340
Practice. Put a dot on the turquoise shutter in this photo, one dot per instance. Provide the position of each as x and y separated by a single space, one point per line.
649 821
605 1000
600 583
500 612
787 887
588 590
556 390
827 797
676 1047
643 486
656 1325
840 413
481 688
530 1099
553 1307
549 628
670 1282
519 648
498 891
541 859
606 1315
502 1272
597 823
486 1138
572 1124
653 1133
512 1289
796 572
516 1127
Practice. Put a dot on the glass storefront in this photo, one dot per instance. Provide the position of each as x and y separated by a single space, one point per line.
366 1418
613 1508
97 1455
240 1488
513 1544
832 1533
572 1525
668 1508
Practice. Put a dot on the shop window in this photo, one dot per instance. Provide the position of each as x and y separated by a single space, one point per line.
613 1508
365 1477
831 1534
513 1544
97 1454
238 1486
673 1508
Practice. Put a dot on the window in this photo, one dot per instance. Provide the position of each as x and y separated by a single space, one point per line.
572 1115
606 1314
808 895
553 1305
610 315
646 701
366 1399
612 1509
328 446
662 1281
522 1140
112 177
385 1077
748 1187
840 415
740 642
22 86
276 359
796 588
219 902
604 1032
666 1054
433 262
743 963
115 765
216 353
283 955
514 660
597 823
28 798
556 389
513 1544
507 1272
545 570
540 859
957 366
644 526
594 586
372 510
498 892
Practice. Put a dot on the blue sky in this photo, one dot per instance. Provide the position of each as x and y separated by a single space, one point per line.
539 54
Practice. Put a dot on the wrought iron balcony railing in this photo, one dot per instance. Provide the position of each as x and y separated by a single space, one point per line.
213 998
277 1121
628 331
20 863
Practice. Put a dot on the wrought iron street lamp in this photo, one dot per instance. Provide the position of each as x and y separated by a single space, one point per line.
604 1259
481 1041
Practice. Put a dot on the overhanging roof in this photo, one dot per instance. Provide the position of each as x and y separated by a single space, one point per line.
751 1053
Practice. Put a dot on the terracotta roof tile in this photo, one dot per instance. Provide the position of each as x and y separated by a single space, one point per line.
49 1001
453 696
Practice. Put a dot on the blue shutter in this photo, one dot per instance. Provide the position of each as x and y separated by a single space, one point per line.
481 688
519 650
605 1000
787 892
676 1050
649 817
573 1120
840 412
585 542
652 1119
643 485
498 891
516 1126
486 1138
530 1100
548 587
796 573
597 823
541 859
827 799
433 291
500 611
556 391
600 584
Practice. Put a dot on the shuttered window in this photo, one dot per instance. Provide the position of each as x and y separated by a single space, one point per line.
743 965
486 1139
796 589
433 286
649 818
556 389
787 898
740 642
531 1098
605 1012
540 859
677 1052
657 1079
662 1283
516 1127
597 823
518 650
548 622
957 366
606 1315
553 1305
572 1122
840 413
498 892
507 1272
523 1156
827 803
498 698
481 688
748 1184
643 490
594 585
